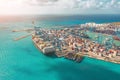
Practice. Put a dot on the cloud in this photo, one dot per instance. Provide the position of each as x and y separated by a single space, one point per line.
83 4
59 6
41 2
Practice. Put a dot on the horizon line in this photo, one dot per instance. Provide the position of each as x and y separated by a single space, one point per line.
52 14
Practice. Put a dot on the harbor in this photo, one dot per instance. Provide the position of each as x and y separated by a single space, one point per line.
59 39
74 43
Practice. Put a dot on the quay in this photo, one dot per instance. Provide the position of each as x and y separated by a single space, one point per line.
106 28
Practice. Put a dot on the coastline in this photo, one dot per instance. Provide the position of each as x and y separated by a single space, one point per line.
102 59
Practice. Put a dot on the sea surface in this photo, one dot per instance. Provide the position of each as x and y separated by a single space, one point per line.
21 60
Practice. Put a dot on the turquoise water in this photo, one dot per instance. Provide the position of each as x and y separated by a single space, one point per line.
21 60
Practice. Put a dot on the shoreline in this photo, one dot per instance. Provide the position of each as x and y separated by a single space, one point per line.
102 59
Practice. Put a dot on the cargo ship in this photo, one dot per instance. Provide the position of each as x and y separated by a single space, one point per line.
44 47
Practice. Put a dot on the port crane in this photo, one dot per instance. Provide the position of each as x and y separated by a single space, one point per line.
99 38
108 42
117 32
35 29
29 30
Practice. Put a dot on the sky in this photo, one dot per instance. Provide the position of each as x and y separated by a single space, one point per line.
28 7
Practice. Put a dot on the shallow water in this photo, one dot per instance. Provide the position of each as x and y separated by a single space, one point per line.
21 60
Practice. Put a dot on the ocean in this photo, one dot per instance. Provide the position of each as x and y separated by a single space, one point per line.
21 60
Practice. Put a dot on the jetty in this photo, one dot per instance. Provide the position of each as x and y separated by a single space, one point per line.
23 30
21 37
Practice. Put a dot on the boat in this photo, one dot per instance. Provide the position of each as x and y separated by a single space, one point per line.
45 49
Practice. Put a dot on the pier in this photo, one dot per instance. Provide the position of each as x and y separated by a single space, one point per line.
19 38
23 30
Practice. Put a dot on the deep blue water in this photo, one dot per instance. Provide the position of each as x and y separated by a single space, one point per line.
21 60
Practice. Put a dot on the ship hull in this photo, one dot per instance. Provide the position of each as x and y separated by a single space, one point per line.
41 50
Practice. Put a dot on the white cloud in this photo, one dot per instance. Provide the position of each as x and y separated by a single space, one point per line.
59 6
78 3
41 2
